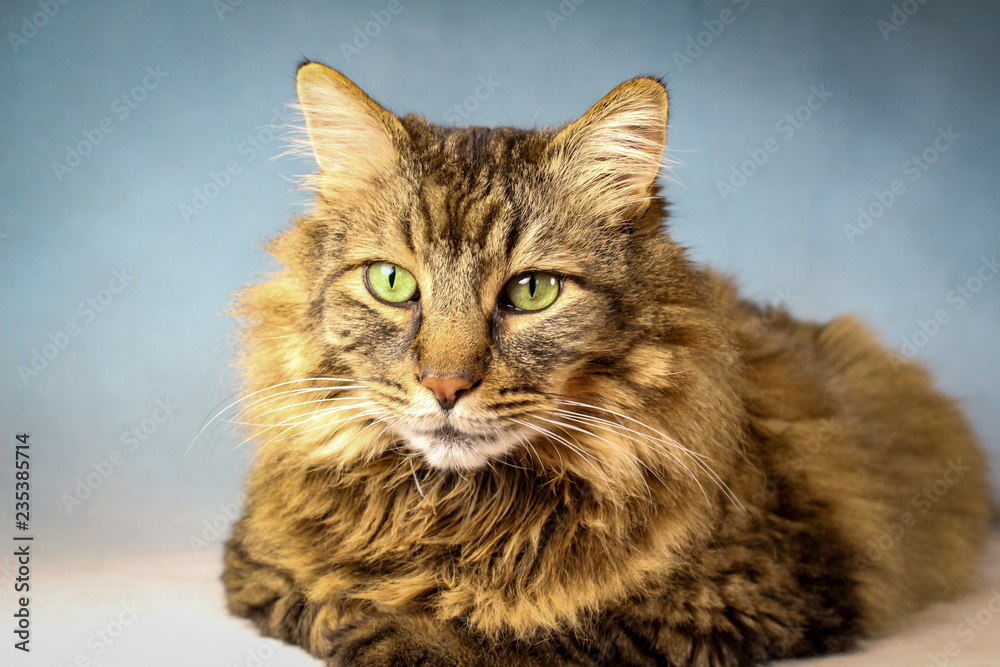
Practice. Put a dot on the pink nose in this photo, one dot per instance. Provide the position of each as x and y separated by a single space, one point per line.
446 389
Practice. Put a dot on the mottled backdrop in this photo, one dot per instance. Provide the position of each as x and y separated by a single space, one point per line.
836 156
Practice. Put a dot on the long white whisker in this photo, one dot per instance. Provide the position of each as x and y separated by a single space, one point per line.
555 436
416 481
527 443
380 420
698 459
297 405
367 414
298 420
581 430
635 421
289 426
218 413
640 465
292 392
292 422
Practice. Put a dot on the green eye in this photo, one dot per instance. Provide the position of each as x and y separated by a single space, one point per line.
391 282
533 291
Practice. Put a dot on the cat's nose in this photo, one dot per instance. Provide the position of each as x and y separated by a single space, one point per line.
446 389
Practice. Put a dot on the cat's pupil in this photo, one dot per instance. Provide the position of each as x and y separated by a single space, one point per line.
532 283
392 277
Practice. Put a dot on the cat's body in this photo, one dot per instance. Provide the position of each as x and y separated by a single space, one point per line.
641 470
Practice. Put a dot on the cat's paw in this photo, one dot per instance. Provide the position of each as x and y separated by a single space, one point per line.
395 642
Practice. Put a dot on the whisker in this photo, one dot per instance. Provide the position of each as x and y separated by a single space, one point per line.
549 434
297 405
639 463
305 390
216 414
362 415
580 430
315 414
636 421
329 424
531 449
416 481
698 459
368 449
288 424
499 433
298 420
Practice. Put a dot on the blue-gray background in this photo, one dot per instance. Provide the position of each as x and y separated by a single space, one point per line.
224 72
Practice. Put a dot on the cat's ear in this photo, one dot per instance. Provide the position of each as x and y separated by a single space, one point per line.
611 156
353 138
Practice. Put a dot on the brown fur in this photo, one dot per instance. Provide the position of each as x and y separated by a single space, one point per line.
678 477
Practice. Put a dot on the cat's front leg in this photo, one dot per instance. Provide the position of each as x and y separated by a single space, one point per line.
397 640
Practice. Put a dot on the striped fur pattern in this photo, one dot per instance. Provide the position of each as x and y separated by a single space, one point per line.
649 471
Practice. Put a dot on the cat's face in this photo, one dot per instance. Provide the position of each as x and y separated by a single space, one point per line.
474 281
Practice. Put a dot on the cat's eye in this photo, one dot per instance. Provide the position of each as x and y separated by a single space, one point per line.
532 291
391 283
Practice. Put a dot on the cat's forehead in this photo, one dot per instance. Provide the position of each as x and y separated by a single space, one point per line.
476 188
475 201
466 155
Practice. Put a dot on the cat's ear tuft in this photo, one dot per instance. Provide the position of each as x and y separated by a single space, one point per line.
612 155
354 140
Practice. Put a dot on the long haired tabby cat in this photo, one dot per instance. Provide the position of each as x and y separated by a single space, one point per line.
504 420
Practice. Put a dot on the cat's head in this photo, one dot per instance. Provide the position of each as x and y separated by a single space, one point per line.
482 293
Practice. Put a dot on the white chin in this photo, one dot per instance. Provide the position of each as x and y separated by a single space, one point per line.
454 452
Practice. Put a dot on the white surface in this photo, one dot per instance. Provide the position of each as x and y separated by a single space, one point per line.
161 609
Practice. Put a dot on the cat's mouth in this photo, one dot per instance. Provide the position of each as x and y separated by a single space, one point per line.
450 435
451 448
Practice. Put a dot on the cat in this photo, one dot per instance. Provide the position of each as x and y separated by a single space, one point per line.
503 419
